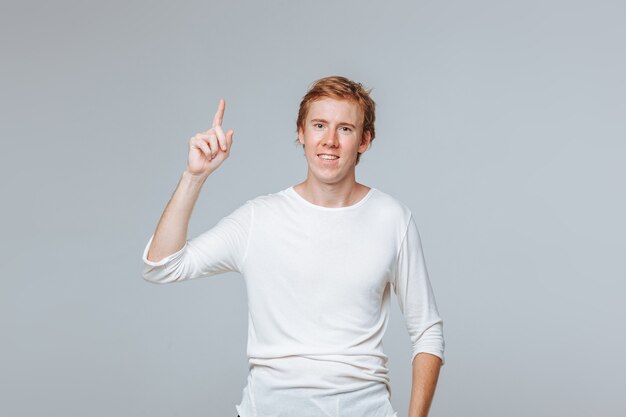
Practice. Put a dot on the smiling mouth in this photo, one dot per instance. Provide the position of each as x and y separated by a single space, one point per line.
327 157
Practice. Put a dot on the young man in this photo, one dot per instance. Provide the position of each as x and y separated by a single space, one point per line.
319 260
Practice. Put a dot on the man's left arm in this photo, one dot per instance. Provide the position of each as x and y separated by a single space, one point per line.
416 300
426 368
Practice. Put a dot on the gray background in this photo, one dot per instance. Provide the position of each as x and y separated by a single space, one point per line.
500 124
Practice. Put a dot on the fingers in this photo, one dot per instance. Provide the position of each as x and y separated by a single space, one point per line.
206 144
213 144
219 115
214 139
211 141
199 142
221 137
229 138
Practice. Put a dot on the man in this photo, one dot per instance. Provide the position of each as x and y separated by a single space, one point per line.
319 259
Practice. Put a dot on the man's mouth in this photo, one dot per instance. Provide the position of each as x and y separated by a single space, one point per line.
327 156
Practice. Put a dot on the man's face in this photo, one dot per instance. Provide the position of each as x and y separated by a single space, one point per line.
333 127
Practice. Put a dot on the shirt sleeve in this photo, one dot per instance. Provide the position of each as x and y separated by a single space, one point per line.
415 296
220 249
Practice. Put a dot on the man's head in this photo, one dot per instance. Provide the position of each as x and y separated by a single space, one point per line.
341 88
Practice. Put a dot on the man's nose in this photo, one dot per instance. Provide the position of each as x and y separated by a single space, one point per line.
331 137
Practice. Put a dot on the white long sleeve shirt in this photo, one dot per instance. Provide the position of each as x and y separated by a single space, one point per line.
318 281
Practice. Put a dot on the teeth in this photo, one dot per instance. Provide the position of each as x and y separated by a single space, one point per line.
328 157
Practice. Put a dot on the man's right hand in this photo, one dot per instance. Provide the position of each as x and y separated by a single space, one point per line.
207 150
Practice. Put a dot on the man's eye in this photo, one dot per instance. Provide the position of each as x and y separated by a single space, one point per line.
347 129
318 125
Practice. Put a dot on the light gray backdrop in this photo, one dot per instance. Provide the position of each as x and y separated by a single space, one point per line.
500 124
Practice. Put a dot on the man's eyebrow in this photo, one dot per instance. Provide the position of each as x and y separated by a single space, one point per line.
326 121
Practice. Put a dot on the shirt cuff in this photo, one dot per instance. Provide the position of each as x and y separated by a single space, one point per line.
435 352
163 261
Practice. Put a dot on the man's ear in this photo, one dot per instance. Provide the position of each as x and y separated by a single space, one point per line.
365 141
301 135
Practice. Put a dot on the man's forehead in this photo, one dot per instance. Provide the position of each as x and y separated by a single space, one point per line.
334 108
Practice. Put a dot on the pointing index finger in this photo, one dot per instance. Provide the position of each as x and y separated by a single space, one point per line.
217 120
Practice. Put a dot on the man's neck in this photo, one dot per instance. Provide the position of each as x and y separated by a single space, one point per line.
332 195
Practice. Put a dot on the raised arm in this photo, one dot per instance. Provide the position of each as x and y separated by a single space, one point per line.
207 151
